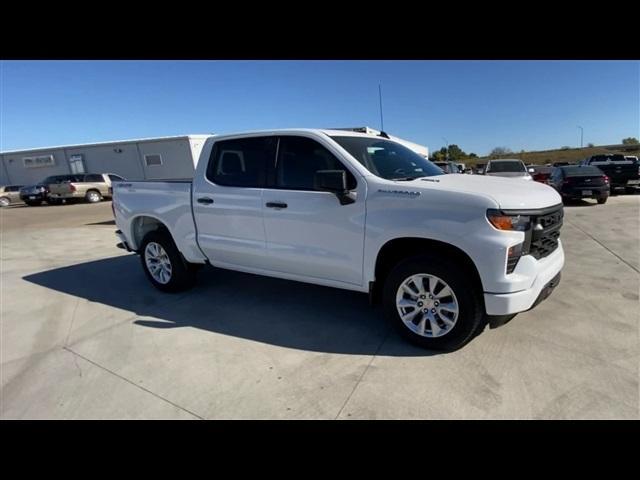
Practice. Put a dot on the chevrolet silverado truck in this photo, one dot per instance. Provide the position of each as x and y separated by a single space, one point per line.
443 254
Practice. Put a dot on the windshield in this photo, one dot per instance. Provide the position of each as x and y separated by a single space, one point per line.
388 159
514 166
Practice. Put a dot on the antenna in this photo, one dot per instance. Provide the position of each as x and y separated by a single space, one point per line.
380 98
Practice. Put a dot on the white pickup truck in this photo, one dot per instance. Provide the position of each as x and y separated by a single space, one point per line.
445 254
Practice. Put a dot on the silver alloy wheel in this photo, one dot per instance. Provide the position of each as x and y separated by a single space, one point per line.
158 262
93 196
427 305
4 202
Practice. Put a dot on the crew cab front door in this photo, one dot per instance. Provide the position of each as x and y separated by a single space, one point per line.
308 232
227 202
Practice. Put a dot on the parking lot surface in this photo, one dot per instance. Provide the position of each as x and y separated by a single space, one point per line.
84 335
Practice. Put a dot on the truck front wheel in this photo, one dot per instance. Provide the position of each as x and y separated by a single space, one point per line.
163 264
433 303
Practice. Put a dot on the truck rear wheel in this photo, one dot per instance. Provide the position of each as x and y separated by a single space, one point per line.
433 303
93 196
163 264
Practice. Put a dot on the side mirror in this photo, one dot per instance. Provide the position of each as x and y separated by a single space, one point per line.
334 181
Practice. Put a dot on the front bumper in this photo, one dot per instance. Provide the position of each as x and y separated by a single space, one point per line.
523 300
29 197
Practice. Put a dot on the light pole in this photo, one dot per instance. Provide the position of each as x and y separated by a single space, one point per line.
581 135
447 143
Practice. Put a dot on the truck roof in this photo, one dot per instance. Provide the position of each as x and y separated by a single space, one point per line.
371 133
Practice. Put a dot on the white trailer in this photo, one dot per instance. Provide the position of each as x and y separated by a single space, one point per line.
160 158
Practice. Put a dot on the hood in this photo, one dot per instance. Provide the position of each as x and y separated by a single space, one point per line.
507 174
507 193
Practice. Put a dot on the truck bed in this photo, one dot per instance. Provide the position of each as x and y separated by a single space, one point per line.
141 203
619 172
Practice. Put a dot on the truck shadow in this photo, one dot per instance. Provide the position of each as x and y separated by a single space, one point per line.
279 312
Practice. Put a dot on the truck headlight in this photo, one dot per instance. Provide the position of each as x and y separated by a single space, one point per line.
501 221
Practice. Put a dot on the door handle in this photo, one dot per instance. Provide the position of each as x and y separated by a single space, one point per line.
276 205
205 200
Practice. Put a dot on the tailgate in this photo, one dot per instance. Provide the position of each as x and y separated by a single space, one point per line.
619 172
60 188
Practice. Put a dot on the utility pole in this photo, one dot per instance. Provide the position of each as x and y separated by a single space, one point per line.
380 98
581 134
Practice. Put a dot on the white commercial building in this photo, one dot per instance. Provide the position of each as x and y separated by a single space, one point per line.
149 158
159 158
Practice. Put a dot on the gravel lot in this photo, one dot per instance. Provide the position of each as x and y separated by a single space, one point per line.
84 335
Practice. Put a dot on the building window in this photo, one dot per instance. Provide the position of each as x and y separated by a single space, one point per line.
40 161
151 160
76 164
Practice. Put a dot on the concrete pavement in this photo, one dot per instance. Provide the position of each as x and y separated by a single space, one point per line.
84 335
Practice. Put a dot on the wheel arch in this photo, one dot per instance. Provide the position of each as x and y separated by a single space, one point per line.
398 249
143 224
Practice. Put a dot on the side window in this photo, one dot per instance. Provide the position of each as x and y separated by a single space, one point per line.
93 178
115 178
299 159
242 162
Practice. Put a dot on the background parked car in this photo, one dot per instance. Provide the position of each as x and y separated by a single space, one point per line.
448 167
91 187
34 195
541 173
512 168
577 182
10 194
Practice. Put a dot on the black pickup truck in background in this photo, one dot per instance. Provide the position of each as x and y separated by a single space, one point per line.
622 172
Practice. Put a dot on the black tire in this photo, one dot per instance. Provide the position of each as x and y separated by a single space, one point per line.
182 273
471 319
630 190
93 196
34 203
602 201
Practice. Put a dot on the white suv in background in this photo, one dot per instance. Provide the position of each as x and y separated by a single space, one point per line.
512 168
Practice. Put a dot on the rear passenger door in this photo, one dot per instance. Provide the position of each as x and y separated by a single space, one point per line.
308 232
227 202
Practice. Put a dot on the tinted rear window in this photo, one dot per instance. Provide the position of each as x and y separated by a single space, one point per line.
242 162
62 179
514 166
580 171
93 177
